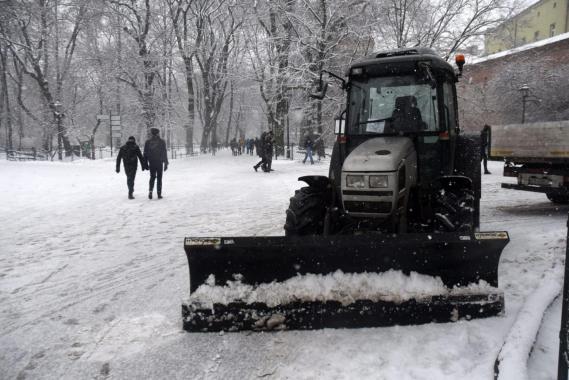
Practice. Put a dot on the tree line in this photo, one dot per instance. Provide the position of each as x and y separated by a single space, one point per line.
203 71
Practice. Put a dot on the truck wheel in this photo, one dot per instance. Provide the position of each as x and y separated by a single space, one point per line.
306 212
558 199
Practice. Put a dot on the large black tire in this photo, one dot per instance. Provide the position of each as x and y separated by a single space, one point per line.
558 198
455 206
306 212
467 163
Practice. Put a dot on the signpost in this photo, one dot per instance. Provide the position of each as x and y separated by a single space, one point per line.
115 128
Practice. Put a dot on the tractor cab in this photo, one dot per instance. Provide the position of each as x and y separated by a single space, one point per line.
405 93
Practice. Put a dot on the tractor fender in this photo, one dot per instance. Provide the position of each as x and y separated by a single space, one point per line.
318 182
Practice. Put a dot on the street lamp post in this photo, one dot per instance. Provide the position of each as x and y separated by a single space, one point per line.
526 97
525 93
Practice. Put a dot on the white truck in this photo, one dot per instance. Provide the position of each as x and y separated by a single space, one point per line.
537 154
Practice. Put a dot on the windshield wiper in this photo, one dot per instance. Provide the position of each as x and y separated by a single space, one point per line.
373 121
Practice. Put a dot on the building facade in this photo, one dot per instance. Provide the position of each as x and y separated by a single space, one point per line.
489 91
544 19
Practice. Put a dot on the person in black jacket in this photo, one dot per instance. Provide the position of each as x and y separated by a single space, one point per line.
485 147
157 157
130 154
260 152
268 151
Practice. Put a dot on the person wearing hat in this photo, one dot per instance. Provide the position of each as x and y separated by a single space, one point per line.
156 156
130 154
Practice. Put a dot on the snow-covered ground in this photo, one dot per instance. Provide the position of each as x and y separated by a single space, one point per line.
91 283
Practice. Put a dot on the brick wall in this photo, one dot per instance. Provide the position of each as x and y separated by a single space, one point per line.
489 93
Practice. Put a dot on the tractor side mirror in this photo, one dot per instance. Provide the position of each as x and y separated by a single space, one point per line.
339 127
320 92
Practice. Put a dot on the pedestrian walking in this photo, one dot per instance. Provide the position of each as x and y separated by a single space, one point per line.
130 154
485 147
260 152
241 145
308 145
156 156
268 151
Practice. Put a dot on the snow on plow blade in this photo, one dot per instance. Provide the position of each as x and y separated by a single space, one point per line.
237 283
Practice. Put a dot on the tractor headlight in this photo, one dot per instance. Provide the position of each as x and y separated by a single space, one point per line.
356 181
378 181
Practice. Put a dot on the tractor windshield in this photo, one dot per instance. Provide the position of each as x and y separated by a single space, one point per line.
387 105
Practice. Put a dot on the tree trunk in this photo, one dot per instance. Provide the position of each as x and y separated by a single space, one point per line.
191 105
5 95
231 95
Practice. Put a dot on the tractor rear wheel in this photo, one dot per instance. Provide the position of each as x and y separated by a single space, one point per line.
306 212
454 209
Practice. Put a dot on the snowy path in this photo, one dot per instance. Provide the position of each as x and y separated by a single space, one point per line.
91 283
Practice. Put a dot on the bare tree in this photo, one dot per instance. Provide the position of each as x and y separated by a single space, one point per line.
444 25
137 17
216 24
327 38
269 45
30 25
5 106
185 39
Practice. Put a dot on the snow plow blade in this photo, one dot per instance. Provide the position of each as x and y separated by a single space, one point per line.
465 265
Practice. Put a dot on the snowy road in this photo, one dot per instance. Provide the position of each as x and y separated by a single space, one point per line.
91 283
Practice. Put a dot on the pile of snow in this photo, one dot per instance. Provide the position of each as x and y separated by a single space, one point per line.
346 288
520 340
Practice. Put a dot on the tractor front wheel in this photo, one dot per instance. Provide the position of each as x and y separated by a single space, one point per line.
306 212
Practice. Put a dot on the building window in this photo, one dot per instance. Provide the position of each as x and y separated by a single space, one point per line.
554 5
536 35
552 30
538 13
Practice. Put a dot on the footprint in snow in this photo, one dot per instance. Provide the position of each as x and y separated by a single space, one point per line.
100 308
71 321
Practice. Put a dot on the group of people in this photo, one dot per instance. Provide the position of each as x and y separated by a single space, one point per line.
155 159
237 147
264 148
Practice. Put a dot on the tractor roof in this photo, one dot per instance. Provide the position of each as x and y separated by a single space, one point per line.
399 60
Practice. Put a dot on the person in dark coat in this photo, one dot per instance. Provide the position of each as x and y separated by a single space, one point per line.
260 152
485 146
308 145
157 157
268 151
130 154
